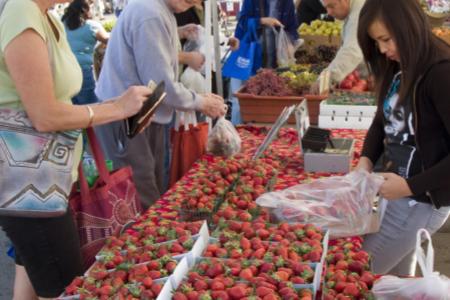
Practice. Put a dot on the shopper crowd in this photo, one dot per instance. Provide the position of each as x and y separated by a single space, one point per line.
46 69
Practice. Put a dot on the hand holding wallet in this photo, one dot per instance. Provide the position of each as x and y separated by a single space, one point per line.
139 121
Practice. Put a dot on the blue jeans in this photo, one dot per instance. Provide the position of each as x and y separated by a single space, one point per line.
86 94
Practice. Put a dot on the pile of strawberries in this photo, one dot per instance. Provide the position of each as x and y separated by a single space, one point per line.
347 272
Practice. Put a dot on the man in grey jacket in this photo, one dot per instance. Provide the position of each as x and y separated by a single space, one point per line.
144 46
349 56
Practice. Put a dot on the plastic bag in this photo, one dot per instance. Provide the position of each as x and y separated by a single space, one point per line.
224 139
285 49
193 80
431 286
342 204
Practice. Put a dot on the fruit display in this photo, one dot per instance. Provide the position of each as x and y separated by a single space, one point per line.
249 255
267 83
354 83
319 27
347 273
346 97
300 82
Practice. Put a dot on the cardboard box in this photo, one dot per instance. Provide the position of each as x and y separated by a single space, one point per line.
346 116
311 42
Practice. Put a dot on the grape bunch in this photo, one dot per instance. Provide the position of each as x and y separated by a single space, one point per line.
267 83
326 53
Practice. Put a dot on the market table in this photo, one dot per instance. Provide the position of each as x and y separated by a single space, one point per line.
161 230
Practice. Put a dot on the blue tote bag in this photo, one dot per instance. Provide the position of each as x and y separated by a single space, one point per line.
244 62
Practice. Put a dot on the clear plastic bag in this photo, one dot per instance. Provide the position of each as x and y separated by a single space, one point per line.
342 204
224 140
193 80
431 286
285 49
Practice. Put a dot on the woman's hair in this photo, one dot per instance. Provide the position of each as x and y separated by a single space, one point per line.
75 14
417 47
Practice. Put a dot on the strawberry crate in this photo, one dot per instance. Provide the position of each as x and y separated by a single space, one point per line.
230 275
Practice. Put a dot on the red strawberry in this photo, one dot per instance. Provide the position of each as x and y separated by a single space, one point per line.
237 292
246 274
147 282
106 290
351 289
263 291
201 285
217 285
179 296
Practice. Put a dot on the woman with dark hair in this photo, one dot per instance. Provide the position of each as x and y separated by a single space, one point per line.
83 34
410 134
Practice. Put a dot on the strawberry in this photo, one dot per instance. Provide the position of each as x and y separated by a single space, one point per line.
351 290
237 292
179 296
246 274
217 285
263 291
147 282
106 290
201 285
219 295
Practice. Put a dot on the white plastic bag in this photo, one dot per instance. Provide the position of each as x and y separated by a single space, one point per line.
193 80
431 286
342 204
224 140
285 48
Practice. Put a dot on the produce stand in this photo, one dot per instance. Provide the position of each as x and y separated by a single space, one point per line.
170 241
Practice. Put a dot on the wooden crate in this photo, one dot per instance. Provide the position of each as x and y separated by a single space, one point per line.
266 109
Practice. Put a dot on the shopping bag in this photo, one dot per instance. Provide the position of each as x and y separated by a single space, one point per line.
188 139
245 61
224 139
104 209
431 286
285 48
342 204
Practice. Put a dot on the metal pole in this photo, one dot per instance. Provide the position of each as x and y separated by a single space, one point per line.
217 54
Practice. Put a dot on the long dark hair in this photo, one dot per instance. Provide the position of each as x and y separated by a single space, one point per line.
75 14
417 46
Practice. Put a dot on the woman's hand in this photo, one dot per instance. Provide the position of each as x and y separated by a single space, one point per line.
130 102
394 187
212 105
268 21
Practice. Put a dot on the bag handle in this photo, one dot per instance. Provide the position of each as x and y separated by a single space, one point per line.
426 262
99 158
185 118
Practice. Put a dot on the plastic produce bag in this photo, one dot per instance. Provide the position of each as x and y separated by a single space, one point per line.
193 80
224 140
342 204
285 48
431 286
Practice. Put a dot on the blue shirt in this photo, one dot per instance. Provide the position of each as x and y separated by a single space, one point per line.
82 42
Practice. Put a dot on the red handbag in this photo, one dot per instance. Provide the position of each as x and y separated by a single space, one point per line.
104 209
188 145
